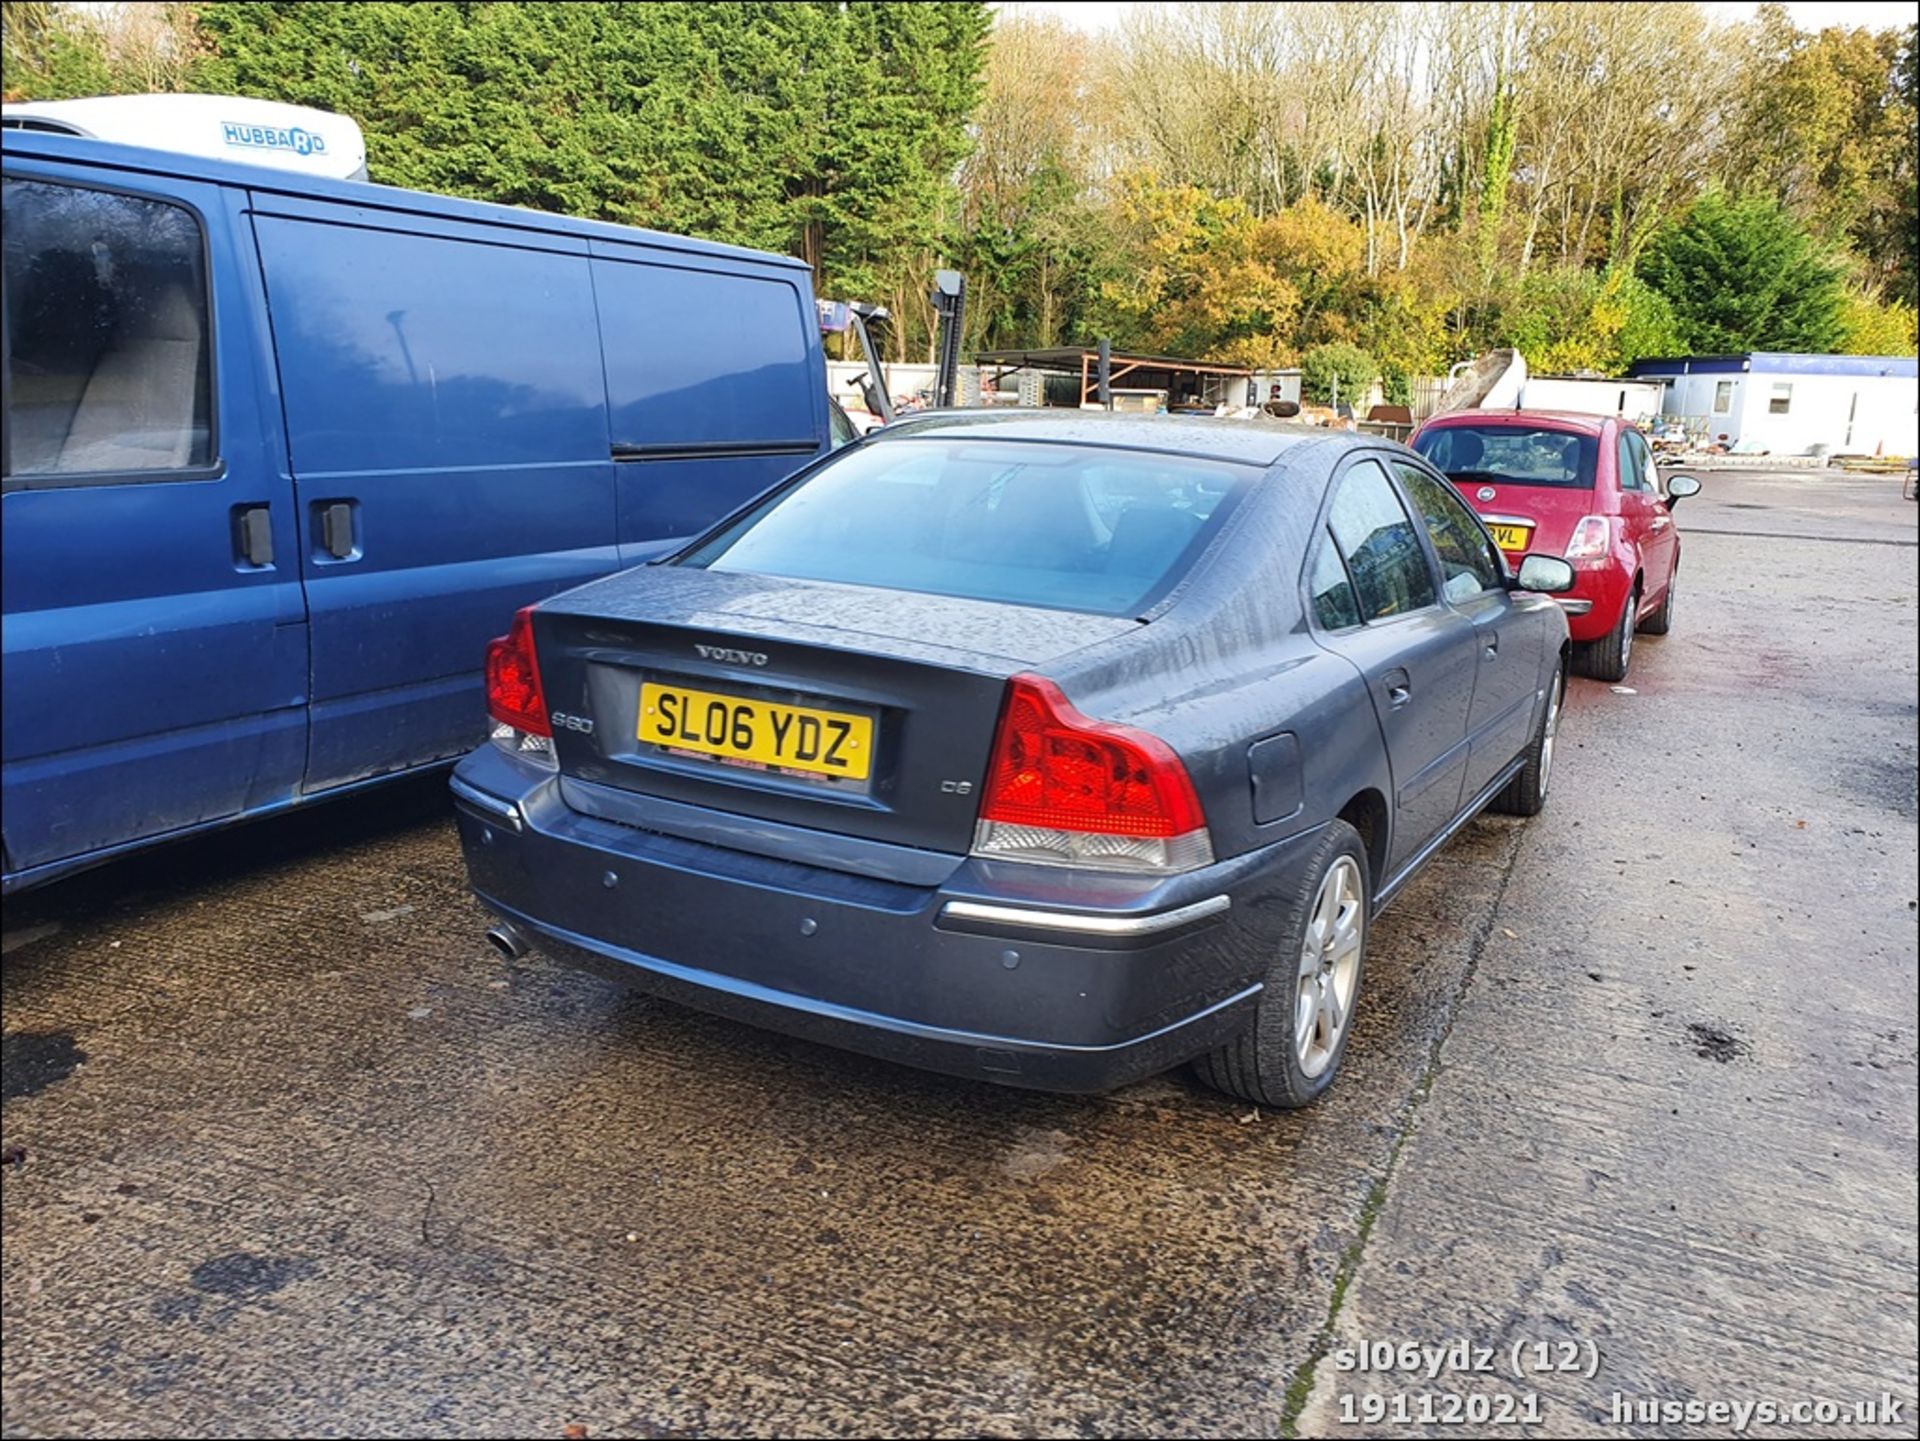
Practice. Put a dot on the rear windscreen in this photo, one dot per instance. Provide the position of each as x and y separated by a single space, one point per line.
1067 527
1517 454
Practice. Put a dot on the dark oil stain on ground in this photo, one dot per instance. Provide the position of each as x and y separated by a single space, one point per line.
1886 781
243 1274
30 1061
1714 1044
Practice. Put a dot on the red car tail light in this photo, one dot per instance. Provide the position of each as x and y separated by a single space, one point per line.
1065 789
1592 539
514 698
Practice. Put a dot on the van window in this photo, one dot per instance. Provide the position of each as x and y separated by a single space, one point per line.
700 360
107 370
403 352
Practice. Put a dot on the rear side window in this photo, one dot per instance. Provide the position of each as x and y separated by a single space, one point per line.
1334 604
1517 454
700 360
1468 561
1066 527
1379 544
107 355
1643 459
840 429
1633 474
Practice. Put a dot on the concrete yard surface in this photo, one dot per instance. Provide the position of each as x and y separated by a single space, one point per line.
290 1150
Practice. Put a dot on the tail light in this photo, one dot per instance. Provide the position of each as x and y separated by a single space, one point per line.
514 698
1063 789
1592 539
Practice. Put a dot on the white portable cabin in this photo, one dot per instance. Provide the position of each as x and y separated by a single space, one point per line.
219 127
1782 403
1637 400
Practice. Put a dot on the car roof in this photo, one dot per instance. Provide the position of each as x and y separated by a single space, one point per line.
1247 442
1578 420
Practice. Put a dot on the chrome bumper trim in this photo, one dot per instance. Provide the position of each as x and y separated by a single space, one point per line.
506 812
1085 925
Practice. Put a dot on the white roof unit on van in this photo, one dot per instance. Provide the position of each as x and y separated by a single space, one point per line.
220 127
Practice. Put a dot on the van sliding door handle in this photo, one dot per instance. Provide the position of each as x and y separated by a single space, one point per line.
336 529
253 535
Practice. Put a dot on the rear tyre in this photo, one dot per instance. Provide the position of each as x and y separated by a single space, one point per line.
1526 793
1661 621
1608 657
1291 1050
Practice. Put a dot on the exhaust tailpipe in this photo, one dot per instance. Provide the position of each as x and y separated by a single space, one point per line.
507 941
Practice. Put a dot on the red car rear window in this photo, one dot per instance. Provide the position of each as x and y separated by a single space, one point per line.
1514 454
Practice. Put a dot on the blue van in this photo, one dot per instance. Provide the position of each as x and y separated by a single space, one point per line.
282 453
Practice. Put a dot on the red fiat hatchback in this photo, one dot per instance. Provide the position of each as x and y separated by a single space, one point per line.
1582 486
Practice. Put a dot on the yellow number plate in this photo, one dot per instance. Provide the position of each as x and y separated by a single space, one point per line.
1511 537
757 732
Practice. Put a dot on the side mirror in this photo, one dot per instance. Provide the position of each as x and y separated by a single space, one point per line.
1679 487
1547 574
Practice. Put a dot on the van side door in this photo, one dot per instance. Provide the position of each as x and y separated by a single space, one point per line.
716 385
155 640
446 417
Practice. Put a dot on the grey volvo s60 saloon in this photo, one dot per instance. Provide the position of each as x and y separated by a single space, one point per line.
1047 750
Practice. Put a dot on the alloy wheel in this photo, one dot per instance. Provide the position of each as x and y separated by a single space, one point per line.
1551 730
1329 966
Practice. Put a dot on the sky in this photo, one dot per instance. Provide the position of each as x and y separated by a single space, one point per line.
1807 14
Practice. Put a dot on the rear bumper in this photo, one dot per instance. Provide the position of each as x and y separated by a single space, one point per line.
1013 974
1603 593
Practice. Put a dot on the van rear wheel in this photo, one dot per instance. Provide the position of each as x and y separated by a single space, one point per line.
1291 1050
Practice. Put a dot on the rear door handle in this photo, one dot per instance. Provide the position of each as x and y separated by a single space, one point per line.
253 535
336 528
1399 687
1493 643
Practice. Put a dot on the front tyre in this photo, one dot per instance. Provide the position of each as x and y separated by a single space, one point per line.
1526 793
1291 1050
1609 657
1661 621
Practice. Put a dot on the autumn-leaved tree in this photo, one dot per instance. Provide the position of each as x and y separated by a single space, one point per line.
1029 236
